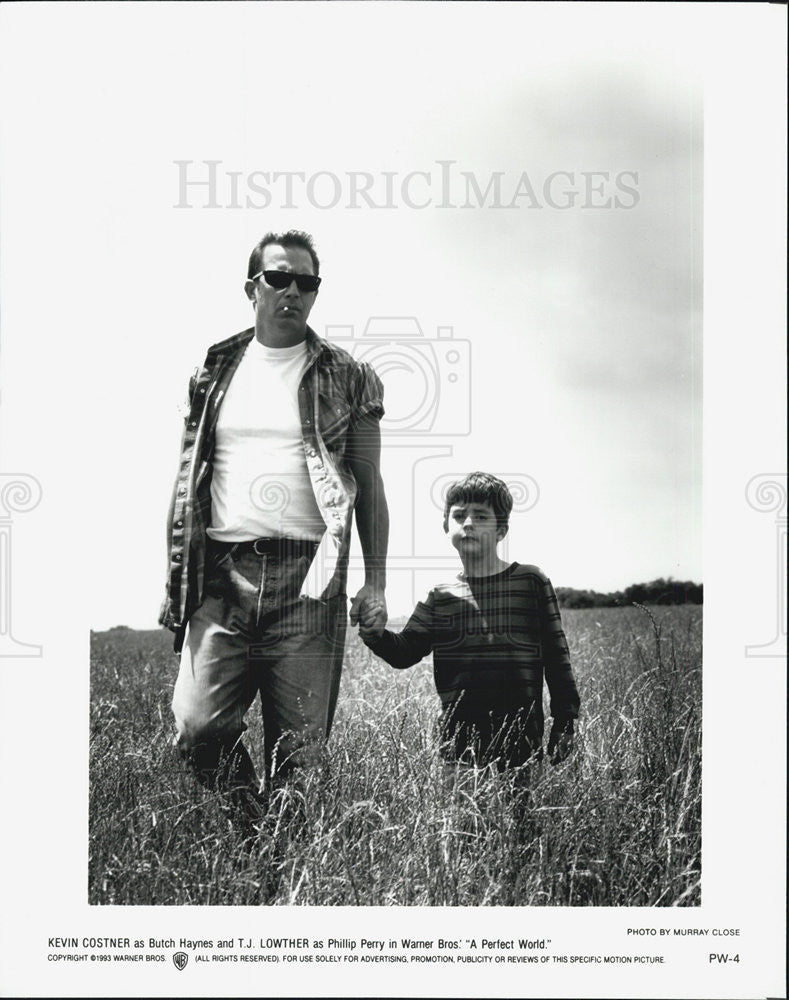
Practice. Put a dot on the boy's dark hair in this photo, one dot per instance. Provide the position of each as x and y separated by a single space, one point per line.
481 487
292 238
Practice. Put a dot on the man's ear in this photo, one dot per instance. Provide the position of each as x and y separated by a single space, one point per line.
249 289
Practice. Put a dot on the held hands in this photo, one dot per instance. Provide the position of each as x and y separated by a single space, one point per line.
368 611
560 742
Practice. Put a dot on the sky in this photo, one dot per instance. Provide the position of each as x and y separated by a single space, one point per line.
560 312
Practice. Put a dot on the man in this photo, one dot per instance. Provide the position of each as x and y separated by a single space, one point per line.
281 446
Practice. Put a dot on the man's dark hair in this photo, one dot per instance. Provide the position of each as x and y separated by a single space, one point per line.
292 238
481 487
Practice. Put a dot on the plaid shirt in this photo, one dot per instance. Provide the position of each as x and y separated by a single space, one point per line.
334 394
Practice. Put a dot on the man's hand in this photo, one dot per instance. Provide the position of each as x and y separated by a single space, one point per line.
366 594
368 611
560 742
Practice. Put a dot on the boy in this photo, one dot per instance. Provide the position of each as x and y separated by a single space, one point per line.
494 633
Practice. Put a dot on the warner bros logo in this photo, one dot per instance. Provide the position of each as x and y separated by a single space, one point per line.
180 958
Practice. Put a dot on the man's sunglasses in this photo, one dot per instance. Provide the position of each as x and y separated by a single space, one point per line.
283 279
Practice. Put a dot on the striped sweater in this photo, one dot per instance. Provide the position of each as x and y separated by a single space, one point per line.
494 639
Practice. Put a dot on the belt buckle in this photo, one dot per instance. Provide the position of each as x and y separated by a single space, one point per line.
265 542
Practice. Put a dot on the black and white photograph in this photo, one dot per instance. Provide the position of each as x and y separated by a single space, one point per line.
393 402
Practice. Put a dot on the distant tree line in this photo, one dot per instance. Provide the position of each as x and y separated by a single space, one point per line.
657 592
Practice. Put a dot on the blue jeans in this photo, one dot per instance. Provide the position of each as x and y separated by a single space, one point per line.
251 634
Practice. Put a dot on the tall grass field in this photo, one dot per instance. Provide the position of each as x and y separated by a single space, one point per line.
383 820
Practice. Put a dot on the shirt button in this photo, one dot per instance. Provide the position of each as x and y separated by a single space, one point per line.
193 423
202 388
182 491
179 524
312 453
176 557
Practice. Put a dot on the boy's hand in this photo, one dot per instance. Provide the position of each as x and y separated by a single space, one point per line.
372 619
560 742
368 593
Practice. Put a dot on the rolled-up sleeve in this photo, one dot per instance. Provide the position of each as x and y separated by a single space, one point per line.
366 393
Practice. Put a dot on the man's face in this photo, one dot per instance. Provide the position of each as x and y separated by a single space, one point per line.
282 313
473 530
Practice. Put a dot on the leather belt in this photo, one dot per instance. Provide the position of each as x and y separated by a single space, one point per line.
269 546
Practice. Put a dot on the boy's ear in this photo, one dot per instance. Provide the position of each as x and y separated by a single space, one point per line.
501 531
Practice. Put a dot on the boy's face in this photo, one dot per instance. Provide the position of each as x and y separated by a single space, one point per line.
473 530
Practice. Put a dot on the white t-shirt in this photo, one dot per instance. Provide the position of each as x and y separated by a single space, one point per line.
260 484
